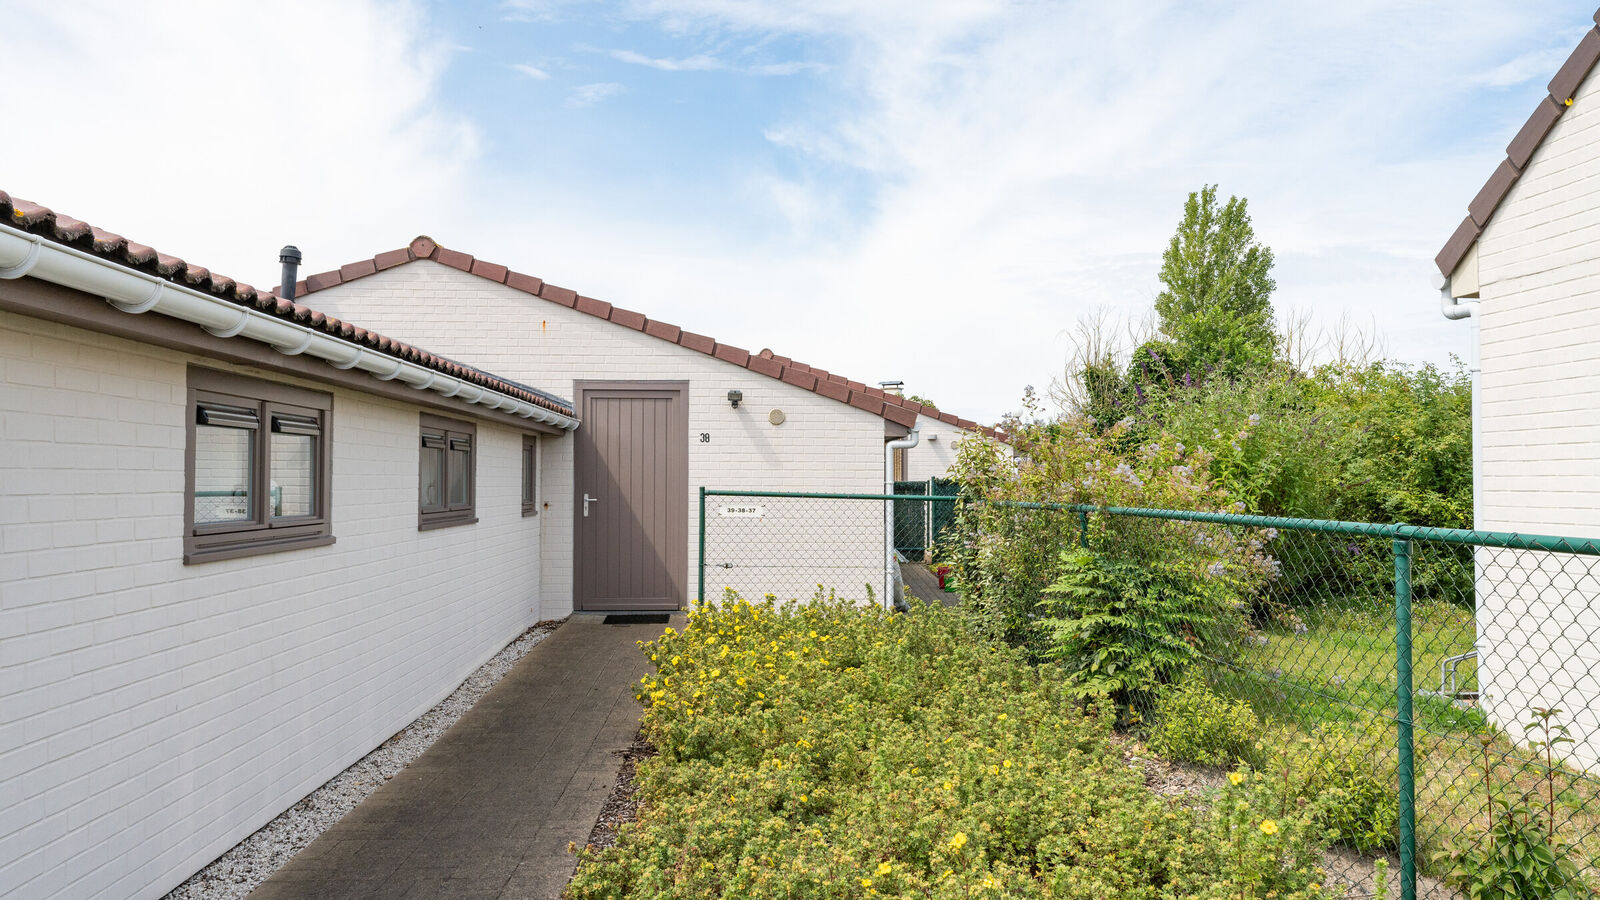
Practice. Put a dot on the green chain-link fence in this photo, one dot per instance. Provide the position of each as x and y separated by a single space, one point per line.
1432 696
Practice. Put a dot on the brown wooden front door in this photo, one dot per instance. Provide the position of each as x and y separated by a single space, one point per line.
631 496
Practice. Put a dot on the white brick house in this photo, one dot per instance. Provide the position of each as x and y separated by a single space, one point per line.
796 428
176 668
1524 266
243 542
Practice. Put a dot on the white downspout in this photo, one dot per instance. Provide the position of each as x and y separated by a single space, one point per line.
1456 309
905 443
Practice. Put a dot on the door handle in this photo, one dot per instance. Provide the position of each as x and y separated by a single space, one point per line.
586 501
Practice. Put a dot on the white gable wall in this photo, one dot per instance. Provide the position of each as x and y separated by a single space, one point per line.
1539 429
935 453
153 714
823 445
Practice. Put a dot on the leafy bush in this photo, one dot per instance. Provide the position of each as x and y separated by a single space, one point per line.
1344 775
1193 724
825 750
1006 554
1122 629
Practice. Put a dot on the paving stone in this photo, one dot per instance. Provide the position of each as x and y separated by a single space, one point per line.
489 809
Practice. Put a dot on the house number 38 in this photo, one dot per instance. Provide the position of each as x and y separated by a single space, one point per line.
705 437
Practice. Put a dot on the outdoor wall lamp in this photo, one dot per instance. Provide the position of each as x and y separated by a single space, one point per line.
734 397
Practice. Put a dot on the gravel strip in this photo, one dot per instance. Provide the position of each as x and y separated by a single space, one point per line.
254 859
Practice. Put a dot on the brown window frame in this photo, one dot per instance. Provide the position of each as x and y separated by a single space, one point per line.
452 432
263 532
530 475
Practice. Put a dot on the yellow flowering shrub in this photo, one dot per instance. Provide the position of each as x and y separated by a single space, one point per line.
824 750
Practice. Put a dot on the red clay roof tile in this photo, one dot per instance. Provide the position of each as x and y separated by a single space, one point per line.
899 415
697 342
1493 191
663 330
558 294
491 271
764 365
1533 131
799 379
628 318
766 362
358 269
833 391
729 353
867 402
455 259
526 283
592 306
391 259
42 221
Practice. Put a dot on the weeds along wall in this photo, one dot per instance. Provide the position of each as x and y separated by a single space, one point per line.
1422 691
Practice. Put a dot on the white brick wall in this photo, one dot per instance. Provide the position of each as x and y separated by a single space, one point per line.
153 714
823 445
1539 428
932 458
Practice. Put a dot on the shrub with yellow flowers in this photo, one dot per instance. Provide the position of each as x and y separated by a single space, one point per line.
826 750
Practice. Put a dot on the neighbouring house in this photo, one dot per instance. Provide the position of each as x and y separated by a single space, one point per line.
666 411
244 541
1524 267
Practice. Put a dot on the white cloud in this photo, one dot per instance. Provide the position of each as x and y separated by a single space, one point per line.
1030 162
698 63
590 94
701 62
220 141
534 72
1535 65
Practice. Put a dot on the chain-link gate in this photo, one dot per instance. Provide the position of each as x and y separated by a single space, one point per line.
1428 693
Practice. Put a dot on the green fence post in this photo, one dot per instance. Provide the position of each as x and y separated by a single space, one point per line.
1083 528
1403 694
701 578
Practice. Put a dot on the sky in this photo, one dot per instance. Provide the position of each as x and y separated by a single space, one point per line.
931 191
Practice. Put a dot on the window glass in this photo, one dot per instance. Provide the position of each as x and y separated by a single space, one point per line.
223 460
294 474
460 468
528 480
432 477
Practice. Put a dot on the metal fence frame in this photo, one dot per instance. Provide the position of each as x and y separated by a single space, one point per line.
1402 536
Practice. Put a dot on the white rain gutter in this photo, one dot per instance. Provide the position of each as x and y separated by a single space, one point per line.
137 293
1456 309
889 568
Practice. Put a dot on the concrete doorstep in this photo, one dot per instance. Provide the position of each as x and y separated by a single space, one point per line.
489 810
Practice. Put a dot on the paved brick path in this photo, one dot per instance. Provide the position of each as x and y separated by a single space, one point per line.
489 809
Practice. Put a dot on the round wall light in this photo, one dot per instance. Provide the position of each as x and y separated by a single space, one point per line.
776 417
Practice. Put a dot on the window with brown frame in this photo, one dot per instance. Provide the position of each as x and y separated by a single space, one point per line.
530 475
446 482
257 467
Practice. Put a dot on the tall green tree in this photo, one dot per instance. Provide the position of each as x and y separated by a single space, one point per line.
1215 307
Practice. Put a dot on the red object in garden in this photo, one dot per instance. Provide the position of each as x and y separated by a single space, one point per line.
942 571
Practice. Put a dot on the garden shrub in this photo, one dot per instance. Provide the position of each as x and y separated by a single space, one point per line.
1193 724
1005 555
825 750
1122 629
1344 774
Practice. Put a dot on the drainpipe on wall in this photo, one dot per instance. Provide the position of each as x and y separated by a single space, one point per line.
890 595
1456 309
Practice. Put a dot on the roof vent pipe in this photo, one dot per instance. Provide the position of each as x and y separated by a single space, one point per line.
290 257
